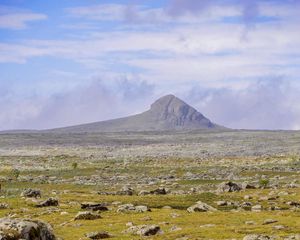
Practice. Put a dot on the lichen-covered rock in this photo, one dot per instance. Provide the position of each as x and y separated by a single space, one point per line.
94 206
258 237
50 202
126 208
201 207
229 187
126 191
159 191
98 235
144 230
87 216
31 193
4 206
14 229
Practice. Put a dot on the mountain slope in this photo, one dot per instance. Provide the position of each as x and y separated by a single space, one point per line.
167 113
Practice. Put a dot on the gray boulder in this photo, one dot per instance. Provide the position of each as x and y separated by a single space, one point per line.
94 206
144 230
200 207
14 229
50 202
98 235
126 208
31 193
87 216
229 187
258 237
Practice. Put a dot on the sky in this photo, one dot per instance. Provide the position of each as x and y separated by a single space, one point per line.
77 61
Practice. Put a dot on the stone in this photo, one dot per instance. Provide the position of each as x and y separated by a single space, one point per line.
257 237
144 230
229 187
279 227
256 208
13 229
87 216
94 206
221 203
250 223
49 202
269 221
247 186
126 191
4 206
98 235
144 193
31 193
125 208
201 207
159 191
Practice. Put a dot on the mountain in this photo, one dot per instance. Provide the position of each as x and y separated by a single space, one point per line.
166 113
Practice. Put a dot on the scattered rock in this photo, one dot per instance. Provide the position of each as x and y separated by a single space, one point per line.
247 186
94 206
87 216
144 230
131 208
250 223
49 202
201 207
4 206
98 235
256 208
13 229
269 221
126 191
159 191
229 187
257 237
31 193
279 227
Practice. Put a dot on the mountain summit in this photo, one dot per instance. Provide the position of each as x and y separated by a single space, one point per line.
166 113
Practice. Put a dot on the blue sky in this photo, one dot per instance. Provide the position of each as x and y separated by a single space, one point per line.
71 62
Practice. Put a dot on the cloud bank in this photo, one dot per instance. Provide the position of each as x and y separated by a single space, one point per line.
236 61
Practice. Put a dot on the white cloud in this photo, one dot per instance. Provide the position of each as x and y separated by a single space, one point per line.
196 49
18 21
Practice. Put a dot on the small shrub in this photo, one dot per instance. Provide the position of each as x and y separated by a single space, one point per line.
264 182
15 173
74 165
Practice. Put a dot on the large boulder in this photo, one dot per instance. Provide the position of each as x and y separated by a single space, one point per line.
229 187
201 207
14 229
31 193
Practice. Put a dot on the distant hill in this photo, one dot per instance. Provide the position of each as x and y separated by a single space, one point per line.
167 113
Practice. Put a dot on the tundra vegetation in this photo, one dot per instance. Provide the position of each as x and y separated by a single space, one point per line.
206 184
